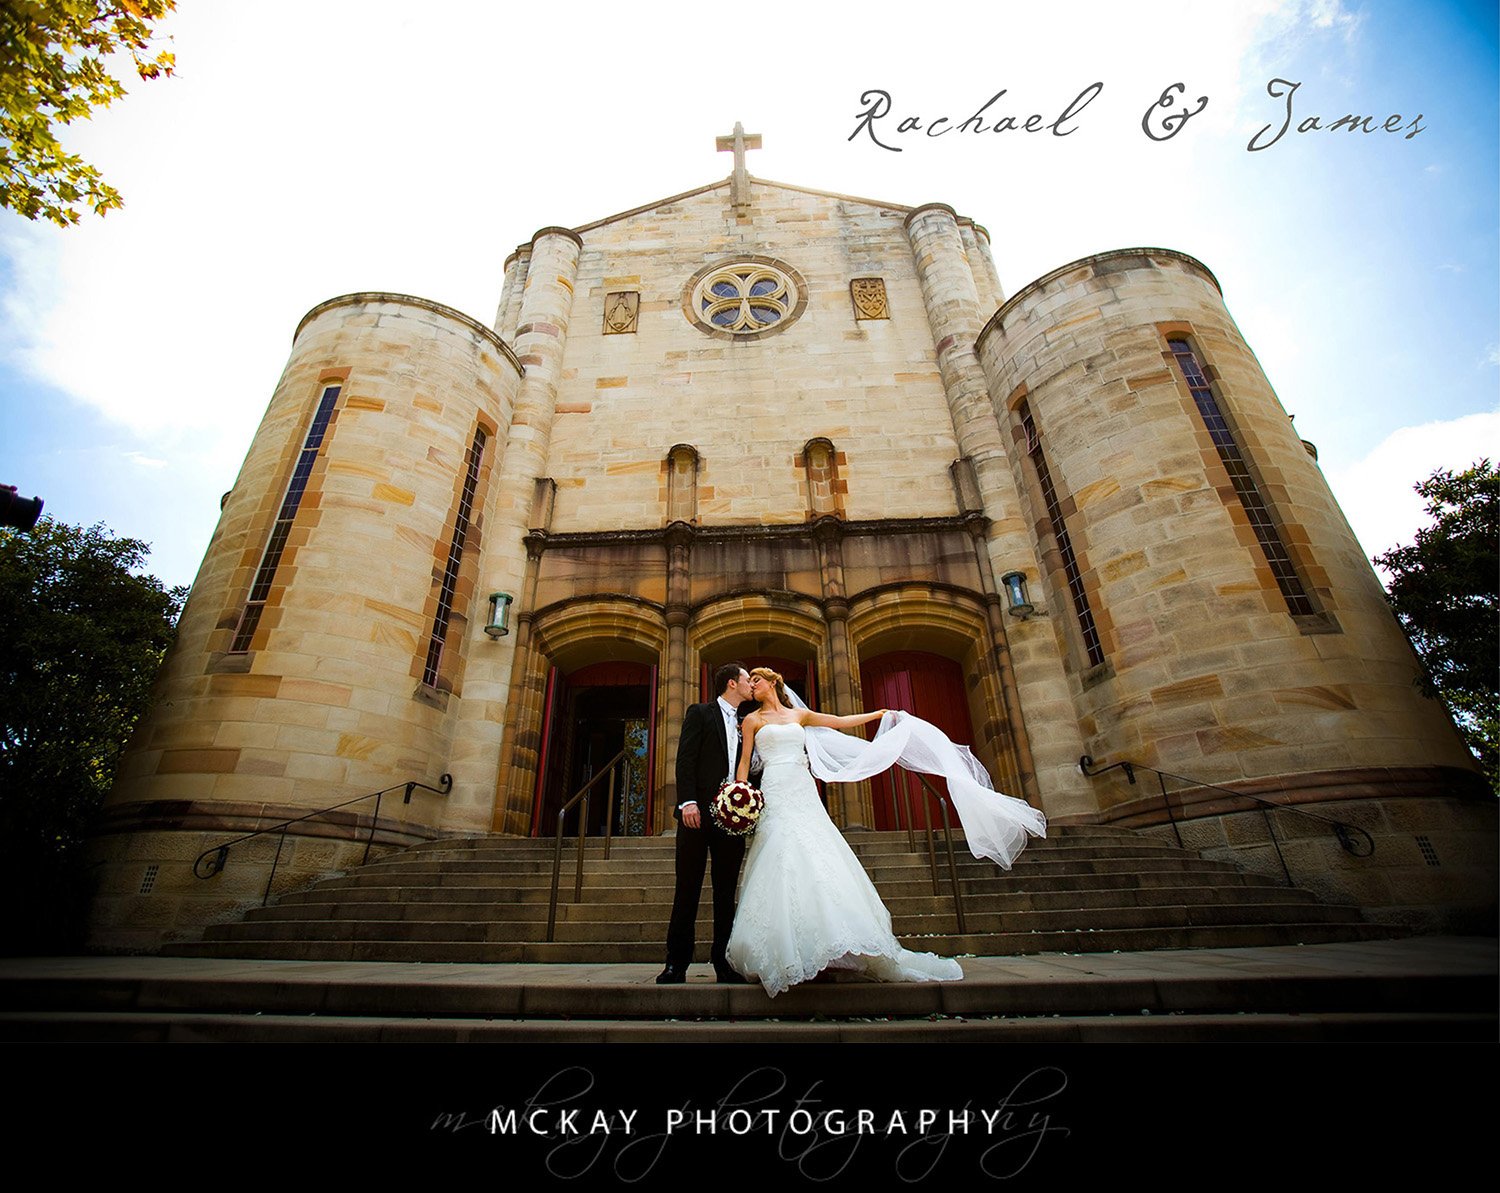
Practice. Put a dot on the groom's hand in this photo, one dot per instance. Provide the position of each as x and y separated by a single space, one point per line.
690 816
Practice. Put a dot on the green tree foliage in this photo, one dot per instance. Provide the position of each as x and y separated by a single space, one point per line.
1445 588
84 637
54 59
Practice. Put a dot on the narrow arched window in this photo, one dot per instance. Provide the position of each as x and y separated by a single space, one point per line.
432 668
270 560
824 490
1267 534
1091 643
682 484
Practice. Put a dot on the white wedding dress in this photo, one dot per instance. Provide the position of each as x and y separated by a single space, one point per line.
806 904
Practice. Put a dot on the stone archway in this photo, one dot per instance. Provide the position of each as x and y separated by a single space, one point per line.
583 636
783 630
757 628
914 626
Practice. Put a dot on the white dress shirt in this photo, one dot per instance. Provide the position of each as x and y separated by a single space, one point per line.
731 732
731 741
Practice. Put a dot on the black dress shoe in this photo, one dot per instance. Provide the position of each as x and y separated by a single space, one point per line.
728 977
673 975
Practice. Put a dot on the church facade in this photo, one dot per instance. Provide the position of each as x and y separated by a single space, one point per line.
763 422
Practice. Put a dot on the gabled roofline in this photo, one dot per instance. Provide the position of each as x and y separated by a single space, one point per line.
899 208
623 215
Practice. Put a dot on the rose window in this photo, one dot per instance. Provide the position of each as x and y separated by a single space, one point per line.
745 298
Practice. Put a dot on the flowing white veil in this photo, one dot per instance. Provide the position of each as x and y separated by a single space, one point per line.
996 826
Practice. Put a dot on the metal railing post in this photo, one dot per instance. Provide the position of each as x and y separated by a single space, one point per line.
583 824
609 812
1276 845
583 793
275 861
957 888
374 820
1348 835
911 833
220 853
1167 803
958 899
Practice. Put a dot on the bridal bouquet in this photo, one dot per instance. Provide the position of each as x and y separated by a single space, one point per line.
736 808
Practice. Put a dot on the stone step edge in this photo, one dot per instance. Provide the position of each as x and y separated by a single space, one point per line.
1111 940
1090 995
1337 1025
949 942
939 922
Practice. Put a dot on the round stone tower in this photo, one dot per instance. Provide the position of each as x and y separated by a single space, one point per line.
1215 613
329 623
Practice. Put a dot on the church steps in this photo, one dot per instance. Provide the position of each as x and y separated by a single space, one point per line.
894 851
935 926
858 839
522 874
1177 1028
1216 980
345 889
632 891
486 900
649 951
1409 989
483 906
887 854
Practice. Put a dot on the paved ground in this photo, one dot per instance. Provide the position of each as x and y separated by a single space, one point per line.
1394 959
1322 1039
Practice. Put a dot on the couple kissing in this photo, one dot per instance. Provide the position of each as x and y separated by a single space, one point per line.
806 905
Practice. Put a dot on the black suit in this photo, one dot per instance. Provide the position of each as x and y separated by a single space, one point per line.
702 764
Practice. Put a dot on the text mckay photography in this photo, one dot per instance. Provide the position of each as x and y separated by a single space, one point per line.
816 1129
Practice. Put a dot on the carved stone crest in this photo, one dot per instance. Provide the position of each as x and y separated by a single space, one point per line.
869 298
621 310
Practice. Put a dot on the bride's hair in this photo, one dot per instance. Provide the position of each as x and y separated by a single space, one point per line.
774 679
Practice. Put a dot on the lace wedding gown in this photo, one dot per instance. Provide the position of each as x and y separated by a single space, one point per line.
806 904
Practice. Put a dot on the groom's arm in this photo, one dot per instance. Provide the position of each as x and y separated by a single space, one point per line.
688 746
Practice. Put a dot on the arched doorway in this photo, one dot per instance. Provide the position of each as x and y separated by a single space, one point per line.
931 686
590 715
801 677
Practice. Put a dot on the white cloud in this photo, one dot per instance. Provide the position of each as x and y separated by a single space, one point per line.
174 313
169 322
1376 491
1331 14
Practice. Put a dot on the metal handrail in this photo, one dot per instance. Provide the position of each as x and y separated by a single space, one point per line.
1345 832
958 896
582 793
219 854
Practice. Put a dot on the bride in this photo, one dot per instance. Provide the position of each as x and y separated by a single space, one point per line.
806 904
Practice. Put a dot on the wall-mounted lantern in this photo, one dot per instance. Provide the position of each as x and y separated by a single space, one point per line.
1015 589
499 624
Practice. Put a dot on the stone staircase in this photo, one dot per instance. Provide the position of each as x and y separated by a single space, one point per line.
1431 989
484 900
1096 935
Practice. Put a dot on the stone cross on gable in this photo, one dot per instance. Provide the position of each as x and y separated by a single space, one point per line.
738 142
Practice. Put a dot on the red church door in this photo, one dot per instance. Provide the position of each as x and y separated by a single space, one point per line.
591 715
930 686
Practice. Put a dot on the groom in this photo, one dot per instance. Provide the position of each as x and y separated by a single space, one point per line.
707 754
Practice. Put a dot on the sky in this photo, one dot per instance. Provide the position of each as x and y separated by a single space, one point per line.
310 149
